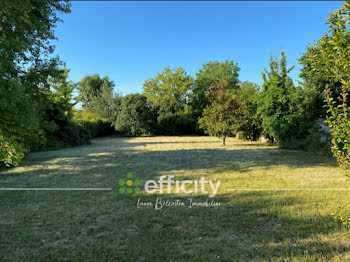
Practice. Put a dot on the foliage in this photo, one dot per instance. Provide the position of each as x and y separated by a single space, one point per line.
209 74
181 123
73 134
342 216
249 123
281 106
103 104
96 94
334 58
339 122
100 105
55 114
26 34
36 103
222 116
168 91
314 79
135 116
168 94
62 90
26 31
315 141
96 126
11 151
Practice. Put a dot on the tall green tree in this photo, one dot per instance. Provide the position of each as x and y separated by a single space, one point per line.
96 95
169 89
314 79
135 116
208 75
62 90
55 109
281 106
26 34
222 115
334 58
103 104
250 123
168 93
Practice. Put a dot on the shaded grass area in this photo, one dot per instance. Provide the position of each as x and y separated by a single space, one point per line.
108 226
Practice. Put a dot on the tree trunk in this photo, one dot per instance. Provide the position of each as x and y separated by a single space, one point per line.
223 139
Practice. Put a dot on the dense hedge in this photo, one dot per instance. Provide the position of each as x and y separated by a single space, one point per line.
97 127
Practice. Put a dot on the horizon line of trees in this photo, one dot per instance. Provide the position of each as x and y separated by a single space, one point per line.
37 104
215 103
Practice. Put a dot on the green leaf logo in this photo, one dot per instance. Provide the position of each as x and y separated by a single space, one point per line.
129 185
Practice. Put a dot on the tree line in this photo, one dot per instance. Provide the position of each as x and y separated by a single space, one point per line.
38 110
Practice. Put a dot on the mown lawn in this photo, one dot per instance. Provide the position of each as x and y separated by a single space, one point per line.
249 225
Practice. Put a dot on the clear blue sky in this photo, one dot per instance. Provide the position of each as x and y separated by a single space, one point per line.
133 41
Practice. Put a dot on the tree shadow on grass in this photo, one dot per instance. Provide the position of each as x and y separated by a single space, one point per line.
247 226
103 165
127 157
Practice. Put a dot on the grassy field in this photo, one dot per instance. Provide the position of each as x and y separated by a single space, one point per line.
249 225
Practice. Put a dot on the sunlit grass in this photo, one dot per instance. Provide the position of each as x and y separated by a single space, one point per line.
105 225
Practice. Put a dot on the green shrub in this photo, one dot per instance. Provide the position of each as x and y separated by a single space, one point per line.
316 141
74 134
11 151
135 116
52 143
97 127
331 56
309 143
342 216
176 124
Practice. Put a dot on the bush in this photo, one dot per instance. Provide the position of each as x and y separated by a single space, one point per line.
11 151
316 141
135 116
342 216
309 143
176 124
98 127
249 123
74 134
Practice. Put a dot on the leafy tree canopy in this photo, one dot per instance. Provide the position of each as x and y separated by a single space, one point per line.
135 116
26 34
281 106
63 91
333 57
209 74
96 95
250 123
222 115
168 90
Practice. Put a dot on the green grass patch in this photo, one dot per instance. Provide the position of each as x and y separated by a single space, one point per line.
249 225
